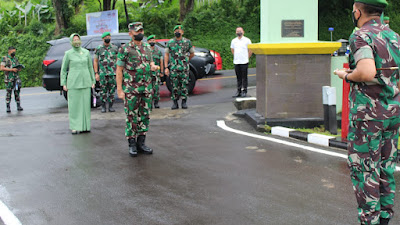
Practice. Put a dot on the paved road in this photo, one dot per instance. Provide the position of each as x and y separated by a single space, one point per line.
199 174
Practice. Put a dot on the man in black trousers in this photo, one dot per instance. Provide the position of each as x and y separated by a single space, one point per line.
241 55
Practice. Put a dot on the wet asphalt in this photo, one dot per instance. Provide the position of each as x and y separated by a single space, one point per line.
198 174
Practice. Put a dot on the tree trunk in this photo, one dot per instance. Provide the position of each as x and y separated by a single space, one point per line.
185 7
61 23
126 13
114 2
106 5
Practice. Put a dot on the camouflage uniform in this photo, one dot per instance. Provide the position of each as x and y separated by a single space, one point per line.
107 57
374 123
157 57
179 66
11 78
137 85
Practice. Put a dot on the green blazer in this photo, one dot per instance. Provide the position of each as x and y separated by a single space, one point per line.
77 69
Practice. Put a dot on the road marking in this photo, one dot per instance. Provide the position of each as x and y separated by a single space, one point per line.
7 216
41 93
221 124
228 77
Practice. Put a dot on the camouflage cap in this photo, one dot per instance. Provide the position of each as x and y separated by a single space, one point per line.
178 27
136 26
379 3
105 34
151 37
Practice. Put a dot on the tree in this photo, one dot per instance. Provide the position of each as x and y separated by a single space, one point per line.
126 12
107 5
61 8
185 7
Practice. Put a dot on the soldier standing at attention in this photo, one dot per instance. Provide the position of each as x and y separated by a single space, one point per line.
105 59
374 112
181 51
158 61
11 79
134 85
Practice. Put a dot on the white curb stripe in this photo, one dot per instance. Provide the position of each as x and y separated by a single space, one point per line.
222 125
7 216
319 139
281 131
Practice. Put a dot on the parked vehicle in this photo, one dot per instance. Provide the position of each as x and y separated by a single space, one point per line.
201 65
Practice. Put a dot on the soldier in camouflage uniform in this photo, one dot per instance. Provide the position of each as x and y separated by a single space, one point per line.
105 58
181 51
134 85
11 78
374 112
158 61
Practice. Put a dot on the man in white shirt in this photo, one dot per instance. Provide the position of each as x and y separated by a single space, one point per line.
241 55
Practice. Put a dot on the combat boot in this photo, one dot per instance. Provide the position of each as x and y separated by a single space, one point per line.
19 108
103 108
238 93
156 104
244 93
142 147
8 108
184 106
132 147
175 105
384 221
110 108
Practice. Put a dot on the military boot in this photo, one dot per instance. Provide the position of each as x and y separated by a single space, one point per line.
132 147
156 104
110 108
184 106
238 93
19 108
175 105
103 108
142 147
384 221
8 108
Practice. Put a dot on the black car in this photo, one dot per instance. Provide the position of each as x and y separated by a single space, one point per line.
202 64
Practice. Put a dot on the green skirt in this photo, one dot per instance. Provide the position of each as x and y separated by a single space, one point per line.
79 109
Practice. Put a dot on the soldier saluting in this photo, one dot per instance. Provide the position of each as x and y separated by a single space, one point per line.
134 85
374 112
105 60
9 64
181 51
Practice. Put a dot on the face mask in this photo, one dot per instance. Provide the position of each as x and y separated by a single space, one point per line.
152 44
239 34
138 37
77 44
12 54
353 17
107 40
177 34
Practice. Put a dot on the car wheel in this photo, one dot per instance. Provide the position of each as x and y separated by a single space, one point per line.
190 86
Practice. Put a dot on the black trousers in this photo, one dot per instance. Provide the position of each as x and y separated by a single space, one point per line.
241 75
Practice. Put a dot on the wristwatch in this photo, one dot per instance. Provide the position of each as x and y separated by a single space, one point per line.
345 78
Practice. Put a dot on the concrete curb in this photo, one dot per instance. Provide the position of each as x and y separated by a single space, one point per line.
313 138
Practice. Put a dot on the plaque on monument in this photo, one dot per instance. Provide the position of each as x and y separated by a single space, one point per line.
292 28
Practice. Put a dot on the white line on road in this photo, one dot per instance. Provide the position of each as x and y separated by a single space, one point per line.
7 216
221 124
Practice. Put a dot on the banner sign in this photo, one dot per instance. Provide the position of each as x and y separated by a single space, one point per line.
100 22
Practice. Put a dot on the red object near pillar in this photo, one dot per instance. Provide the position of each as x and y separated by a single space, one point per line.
345 106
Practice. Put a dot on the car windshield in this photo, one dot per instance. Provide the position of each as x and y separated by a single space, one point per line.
59 48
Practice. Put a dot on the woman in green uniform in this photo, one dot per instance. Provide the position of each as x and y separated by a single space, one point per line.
77 77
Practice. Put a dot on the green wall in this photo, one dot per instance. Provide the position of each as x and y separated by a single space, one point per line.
337 63
273 12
